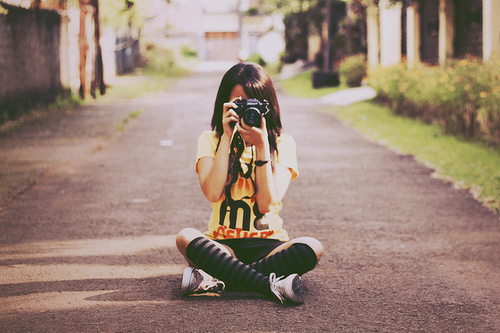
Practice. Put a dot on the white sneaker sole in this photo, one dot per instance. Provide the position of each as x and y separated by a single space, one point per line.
186 280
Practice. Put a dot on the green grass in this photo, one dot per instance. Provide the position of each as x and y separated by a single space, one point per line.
139 84
301 86
131 115
469 165
158 73
32 111
139 87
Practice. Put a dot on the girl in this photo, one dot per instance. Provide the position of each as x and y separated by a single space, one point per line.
245 171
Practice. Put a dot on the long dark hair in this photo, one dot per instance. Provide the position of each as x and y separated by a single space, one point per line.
256 84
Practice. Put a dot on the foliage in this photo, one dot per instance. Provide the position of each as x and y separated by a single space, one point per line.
347 30
158 61
462 97
296 6
253 11
158 72
352 70
257 58
286 6
122 13
468 164
296 36
188 52
408 2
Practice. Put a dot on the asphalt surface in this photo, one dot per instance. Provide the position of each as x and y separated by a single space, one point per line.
89 247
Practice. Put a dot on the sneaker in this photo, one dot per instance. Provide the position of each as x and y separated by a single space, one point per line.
196 281
289 288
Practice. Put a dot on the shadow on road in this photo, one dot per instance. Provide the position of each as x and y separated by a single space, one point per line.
90 247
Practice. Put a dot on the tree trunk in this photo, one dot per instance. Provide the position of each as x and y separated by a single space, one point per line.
98 72
83 46
327 48
349 24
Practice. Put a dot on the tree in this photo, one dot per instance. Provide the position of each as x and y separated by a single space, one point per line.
287 6
118 14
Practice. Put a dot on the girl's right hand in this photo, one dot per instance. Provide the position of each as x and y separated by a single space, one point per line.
230 117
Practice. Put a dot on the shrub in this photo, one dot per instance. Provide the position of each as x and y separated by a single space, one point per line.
158 61
188 52
462 97
352 70
257 58
288 58
325 79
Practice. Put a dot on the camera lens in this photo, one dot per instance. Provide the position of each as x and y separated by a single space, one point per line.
252 117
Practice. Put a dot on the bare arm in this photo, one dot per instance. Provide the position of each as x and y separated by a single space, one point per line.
213 171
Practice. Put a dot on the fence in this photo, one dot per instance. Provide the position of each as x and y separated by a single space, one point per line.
127 55
29 58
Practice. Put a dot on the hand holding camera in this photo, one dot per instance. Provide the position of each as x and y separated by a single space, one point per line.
252 123
252 111
246 116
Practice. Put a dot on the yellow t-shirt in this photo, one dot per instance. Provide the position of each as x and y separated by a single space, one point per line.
242 218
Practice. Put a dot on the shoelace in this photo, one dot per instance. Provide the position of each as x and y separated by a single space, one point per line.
276 287
212 284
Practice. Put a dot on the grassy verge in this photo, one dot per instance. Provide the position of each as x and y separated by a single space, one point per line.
469 165
159 72
301 86
37 110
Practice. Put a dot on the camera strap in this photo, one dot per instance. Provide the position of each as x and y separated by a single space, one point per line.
235 167
267 109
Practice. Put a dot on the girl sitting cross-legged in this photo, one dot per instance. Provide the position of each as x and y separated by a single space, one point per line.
245 165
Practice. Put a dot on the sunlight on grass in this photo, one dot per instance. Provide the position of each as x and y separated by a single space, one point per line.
158 73
301 86
136 85
468 164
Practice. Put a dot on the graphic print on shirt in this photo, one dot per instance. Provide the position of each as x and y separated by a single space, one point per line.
241 231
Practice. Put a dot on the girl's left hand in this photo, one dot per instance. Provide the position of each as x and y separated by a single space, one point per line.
253 135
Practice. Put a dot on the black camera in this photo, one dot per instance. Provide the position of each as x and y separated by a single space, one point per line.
252 111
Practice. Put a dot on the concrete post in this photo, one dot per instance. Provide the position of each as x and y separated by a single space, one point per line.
373 37
64 51
390 33
413 35
446 30
491 28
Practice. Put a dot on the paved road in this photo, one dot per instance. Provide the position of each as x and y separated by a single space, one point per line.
90 247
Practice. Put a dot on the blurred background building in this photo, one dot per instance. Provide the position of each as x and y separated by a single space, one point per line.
218 30
47 46
431 31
